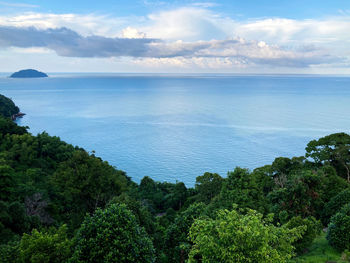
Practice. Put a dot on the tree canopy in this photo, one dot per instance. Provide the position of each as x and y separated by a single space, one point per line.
112 235
241 237
60 203
7 107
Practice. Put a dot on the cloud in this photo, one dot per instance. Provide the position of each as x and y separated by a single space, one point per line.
193 23
31 50
85 25
131 32
243 52
188 24
68 43
191 63
18 5
205 4
184 37
332 32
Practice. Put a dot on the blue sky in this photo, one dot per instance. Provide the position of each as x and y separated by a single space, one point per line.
176 36
235 8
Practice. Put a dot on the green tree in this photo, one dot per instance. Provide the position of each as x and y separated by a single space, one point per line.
332 184
112 235
176 243
239 188
7 107
176 197
300 195
208 186
83 183
236 237
282 167
13 220
7 126
334 205
51 246
338 233
9 252
143 216
150 194
7 182
333 149
313 228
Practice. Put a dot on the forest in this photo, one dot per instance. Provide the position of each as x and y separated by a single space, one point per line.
60 203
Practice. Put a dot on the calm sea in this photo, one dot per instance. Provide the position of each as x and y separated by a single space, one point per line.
178 127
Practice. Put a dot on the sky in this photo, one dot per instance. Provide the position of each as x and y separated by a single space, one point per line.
185 36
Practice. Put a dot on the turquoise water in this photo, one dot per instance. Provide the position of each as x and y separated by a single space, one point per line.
176 128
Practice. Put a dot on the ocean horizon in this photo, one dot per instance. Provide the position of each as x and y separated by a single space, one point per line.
175 127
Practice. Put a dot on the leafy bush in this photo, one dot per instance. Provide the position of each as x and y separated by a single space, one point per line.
339 229
51 246
112 235
334 205
9 252
235 237
333 149
239 188
299 196
313 228
7 126
176 244
208 186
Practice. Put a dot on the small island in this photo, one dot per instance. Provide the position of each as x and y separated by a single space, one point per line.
29 73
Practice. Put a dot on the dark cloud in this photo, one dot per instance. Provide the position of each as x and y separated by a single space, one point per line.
68 43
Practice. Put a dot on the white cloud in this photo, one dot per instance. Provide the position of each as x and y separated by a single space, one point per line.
191 63
131 32
196 36
31 50
188 23
205 4
193 24
68 43
11 4
327 32
89 24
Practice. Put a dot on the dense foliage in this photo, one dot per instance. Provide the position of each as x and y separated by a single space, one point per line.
51 246
236 237
312 229
335 204
54 196
339 229
333 149
112 235
7 107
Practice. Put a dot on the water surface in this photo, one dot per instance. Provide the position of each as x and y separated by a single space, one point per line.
178 127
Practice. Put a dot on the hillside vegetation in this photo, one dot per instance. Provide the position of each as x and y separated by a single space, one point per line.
60 203
7 107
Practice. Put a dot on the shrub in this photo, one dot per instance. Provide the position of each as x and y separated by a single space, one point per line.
235 237
9 252
51 246
313 228
334 205
112 235
339 229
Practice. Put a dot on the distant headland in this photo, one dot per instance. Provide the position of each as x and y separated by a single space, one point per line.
29 73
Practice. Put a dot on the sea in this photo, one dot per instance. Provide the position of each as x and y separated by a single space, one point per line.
177 127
